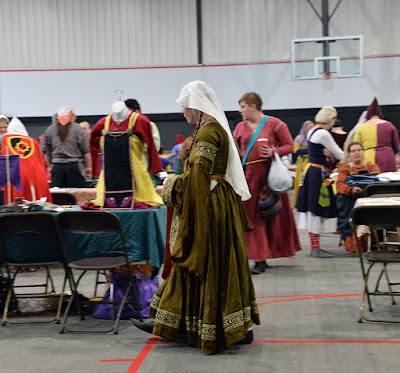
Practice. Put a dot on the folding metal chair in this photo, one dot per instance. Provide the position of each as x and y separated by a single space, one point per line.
105 259
26 240
65 198
376 218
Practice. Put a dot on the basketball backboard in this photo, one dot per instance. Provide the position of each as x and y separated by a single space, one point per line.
336 56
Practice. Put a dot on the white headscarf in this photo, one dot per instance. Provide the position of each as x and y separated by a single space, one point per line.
200 96
350 136
361 120
17 127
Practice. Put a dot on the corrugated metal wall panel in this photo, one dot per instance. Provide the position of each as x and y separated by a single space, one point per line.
378 21
53 34
261 30
45 34
253 30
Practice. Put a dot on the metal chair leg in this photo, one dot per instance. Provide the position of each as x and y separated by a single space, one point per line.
8 300
389 283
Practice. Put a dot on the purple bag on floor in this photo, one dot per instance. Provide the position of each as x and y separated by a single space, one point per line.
145 289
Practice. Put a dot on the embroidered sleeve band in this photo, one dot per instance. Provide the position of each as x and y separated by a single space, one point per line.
207 150
167 190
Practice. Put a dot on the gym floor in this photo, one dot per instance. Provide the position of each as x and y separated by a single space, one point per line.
309 312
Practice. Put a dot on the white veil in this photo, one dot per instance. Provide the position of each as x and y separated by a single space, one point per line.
17 127
350 136
200 96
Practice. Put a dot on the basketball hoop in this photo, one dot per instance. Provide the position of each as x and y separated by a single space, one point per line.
327 80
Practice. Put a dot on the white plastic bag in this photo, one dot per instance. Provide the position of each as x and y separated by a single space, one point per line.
279 178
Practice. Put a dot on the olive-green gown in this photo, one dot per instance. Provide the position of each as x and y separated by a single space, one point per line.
208 301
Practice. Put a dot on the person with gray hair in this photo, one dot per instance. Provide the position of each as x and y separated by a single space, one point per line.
316 201
65 144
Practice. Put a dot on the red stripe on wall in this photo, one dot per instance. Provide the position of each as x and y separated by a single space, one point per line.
174 66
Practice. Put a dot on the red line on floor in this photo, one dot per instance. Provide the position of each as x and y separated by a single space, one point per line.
309 295
155 340
142 355
396 342
115 360
316 297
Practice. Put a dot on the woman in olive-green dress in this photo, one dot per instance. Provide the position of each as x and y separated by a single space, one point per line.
208 301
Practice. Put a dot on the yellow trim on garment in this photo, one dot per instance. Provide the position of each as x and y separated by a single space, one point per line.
144 190
257 161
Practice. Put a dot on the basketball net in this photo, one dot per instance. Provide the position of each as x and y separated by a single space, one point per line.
327 80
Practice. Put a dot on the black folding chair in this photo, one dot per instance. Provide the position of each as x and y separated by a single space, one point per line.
376 218
382 188
31 239
98 222
63 198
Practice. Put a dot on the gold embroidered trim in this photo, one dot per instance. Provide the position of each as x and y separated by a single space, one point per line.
207 150
205 331
167 190
169 319
254 307
192 323
247 314
155 302
208 331
237 319
174 230
233 321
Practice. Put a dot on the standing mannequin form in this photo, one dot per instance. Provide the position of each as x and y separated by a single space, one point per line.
124 165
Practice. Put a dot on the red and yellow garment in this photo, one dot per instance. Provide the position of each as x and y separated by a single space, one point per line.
32 167
381 144
145 192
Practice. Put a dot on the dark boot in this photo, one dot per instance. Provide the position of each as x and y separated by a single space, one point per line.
249 337
145 326
259 267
